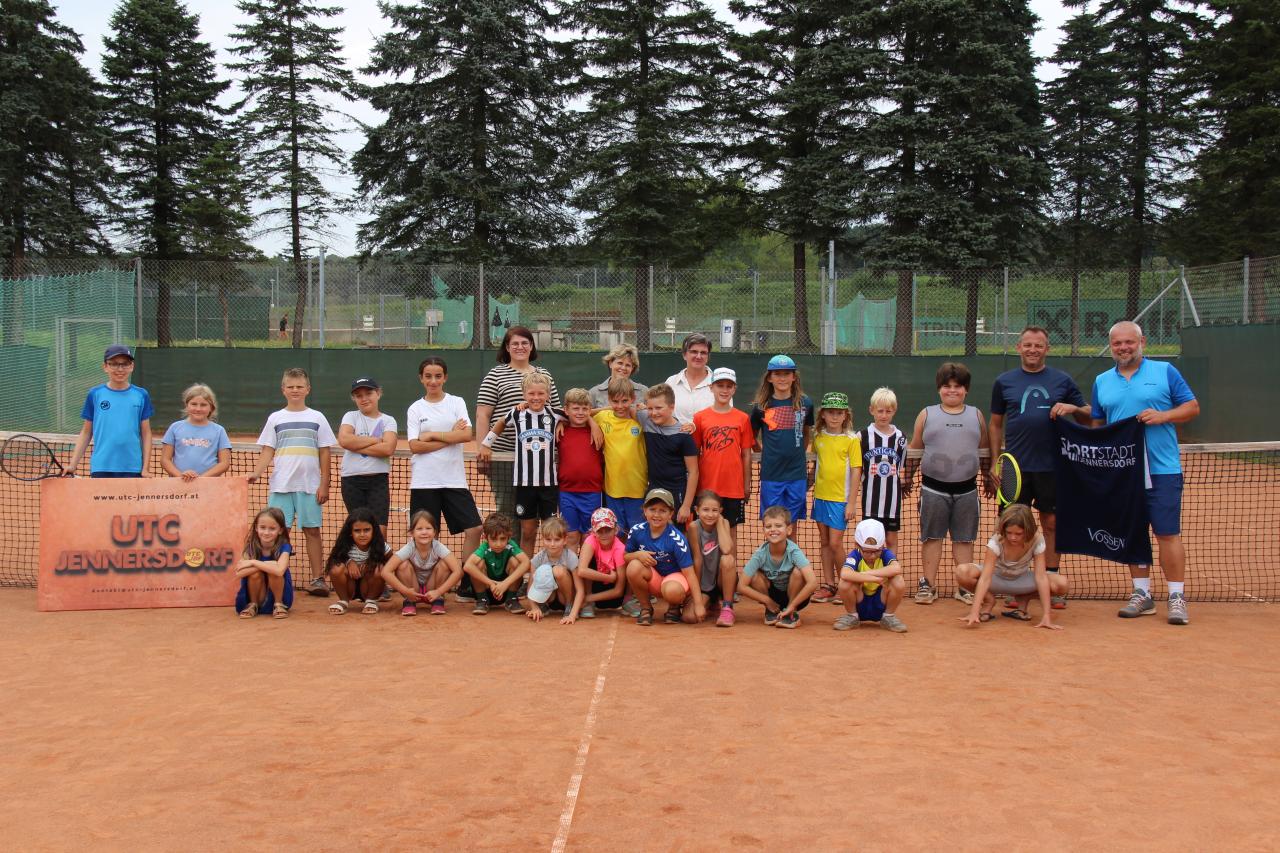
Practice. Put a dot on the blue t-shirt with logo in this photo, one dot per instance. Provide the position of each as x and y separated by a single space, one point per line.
1025 400
669 548
1156 385
195 448
117 418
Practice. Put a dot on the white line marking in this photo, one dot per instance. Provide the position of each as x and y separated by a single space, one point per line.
584 746
1239 592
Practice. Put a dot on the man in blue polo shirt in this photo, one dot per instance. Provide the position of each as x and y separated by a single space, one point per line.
1155 393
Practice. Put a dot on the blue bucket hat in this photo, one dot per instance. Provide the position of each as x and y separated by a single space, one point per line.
781 362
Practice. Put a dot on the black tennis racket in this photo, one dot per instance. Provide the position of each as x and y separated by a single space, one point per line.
27 458
1010 475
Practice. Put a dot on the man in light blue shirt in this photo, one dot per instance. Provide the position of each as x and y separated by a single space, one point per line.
1156 394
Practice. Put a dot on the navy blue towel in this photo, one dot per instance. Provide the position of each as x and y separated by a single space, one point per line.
1102 477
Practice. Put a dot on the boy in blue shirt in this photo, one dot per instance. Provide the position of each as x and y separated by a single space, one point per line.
778 575
660 563
117 415
871 584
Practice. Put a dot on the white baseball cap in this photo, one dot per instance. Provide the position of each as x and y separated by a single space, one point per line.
869 533
725 374
542 585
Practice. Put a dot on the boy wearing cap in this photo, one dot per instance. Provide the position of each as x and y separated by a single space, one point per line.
117 416
723 438
871 584
659 563
368 438
297 439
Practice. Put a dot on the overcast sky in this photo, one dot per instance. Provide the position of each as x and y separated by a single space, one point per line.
362 23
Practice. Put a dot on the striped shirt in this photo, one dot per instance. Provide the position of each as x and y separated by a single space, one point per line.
535 447
882 457
501 388
297 438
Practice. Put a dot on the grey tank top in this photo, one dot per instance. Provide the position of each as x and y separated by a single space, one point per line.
951 445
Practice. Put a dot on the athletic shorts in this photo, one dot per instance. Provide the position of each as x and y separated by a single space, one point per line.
630 512
534 503
871 607
891 525
941 513
1039 490
1023 584
830 513
456 506
501 476
606 603
576 507
302 504
782 598
732 509
787 493
656 581
1164 504
269 603
371 491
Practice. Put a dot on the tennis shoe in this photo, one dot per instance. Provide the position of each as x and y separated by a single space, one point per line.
513 604
1178 609
1058 602
1140 604
464 593
847 622
318 587
925 593
588 611
771 617
890 622
631 608
825 594
437 607
481 606
791 621
726 618
386 594
963 595
409 609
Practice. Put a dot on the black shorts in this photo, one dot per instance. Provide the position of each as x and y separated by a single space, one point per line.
606 603
782 599
733 511
457 506
891 525
1039 490
371 491
537 502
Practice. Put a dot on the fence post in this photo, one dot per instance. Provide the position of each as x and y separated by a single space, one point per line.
1244 302
320 297
311 291
482 317
1004 338
914 303
382 318
137 277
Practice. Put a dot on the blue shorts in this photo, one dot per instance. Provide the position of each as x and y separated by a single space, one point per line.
269 603
576 507
302 504
871 607
630 512
1164 504
830 513
788 493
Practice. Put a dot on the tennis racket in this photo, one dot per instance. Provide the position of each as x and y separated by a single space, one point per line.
27 458
1010 480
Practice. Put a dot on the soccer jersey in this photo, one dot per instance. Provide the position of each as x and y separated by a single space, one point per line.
1156 385
782 438
196 448
297 438
502 388
443 468
882 457
666 448
535 447
581 464
836 455
117 416
1024 399
721 438
669 548
777 571
355 463
626 469
495 562
855 562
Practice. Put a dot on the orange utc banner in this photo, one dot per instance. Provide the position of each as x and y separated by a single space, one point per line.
116 543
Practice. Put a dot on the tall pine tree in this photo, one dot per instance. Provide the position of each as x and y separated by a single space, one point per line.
292 73
799 95
162 87
650 132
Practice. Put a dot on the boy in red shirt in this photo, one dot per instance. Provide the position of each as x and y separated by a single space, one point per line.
581 471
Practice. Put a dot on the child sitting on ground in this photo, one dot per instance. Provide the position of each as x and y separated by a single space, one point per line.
496 567
423 570
871 584
553 574
356 560
778 575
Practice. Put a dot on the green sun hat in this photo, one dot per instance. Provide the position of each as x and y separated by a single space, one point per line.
834 400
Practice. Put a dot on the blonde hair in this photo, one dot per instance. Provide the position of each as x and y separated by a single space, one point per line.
662 390
1017 515
623 351
764 393
536 378
884 397
553 526
777 511
295 373
621 386
577 396
201 390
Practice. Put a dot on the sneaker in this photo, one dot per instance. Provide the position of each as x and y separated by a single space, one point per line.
1058 602
481 607
545 607
1140 604
771 617
465 593
409 609
588 611
386 594
847 622
513 605
890 622
318 587
630 608
925 593
963 595
1178 609
673 615
825 593
437 607
792 621
726 617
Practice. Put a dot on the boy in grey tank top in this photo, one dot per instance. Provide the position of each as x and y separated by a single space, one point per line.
949 445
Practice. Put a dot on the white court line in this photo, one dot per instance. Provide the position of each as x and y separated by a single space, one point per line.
1239 591
584 746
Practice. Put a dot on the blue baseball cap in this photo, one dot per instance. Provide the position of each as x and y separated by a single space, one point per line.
115 350
781 362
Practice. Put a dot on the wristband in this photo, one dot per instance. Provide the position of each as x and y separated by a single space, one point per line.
489 439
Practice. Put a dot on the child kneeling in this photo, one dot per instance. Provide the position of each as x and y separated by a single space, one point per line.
778 575
871 584
1014 565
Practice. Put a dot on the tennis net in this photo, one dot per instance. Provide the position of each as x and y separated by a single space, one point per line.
1230 524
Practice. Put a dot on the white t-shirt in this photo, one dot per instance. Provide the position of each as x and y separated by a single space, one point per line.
443 468
422 565
690 400
355 463
297 438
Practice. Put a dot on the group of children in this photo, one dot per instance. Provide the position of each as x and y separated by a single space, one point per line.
631 507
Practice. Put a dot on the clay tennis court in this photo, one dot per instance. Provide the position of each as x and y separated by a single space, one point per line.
191 729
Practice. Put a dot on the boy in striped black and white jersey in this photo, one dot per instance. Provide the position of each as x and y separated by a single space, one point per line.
884 448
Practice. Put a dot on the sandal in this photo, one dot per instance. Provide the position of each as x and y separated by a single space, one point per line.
674 615
370 607
250 610
645 617
279 611
985 616
1020 615
338 608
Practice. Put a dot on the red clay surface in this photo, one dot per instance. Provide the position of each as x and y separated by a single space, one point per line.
191 729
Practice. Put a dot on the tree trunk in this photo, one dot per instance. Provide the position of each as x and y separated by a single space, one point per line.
642 307
902 331
479 316
11 304
1258 289
800 285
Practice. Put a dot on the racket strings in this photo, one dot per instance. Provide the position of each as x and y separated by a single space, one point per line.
1010 480
27 459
